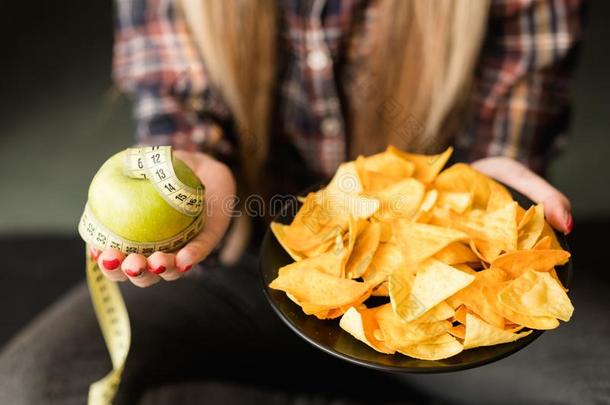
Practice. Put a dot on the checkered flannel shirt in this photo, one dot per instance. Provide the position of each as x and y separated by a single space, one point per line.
519 105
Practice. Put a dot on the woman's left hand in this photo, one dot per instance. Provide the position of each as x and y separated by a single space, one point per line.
557 208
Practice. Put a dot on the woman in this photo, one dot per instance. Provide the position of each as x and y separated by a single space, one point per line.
271 96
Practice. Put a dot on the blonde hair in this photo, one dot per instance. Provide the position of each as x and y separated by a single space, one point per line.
421 59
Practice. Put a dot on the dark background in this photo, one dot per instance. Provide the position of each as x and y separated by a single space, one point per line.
60 118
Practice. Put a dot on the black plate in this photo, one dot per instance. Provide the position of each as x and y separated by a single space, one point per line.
329 337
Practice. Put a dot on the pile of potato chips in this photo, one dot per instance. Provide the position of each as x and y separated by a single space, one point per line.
462 263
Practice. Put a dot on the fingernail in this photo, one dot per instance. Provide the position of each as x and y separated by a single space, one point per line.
133 273
185 268
111 264
157 270
94 253
569 224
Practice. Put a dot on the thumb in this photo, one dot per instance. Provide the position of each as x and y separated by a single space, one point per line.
214 228
198 248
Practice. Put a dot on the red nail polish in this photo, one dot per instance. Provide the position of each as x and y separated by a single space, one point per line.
157 270
185 268
569 224
94 253
133 273
111 264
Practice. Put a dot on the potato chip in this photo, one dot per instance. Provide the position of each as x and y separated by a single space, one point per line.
312 281
427 167
375 181
462 178
479 333
425 208
400 283
499 196
533 322
420 241
355 227
456 253
386 232
438 348
388 163
455 200
439 312
330 244
396 333
381 170
313 226
524 217
346 179
543 243
363 250
473 297
440 216
548 231
433 283
485 250
361 324
400 200
278 231
388 257
323 312
530 229
536 293
498 227
460 314
517 262
340 206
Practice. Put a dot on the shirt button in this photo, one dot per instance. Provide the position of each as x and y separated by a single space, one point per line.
331 126
317 60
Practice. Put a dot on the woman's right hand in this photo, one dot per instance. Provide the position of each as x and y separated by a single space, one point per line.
219 195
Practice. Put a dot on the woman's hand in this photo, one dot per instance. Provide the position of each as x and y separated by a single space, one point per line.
143 272
557 208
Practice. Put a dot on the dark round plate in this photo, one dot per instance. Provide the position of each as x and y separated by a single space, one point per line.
329 337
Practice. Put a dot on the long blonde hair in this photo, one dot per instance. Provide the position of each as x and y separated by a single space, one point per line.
420 60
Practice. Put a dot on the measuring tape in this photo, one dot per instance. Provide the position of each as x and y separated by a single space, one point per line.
152 164
113 319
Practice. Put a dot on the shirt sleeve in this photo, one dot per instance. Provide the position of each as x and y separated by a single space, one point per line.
520 101
158 66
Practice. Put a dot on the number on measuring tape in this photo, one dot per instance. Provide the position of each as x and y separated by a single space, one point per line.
100 237
155 163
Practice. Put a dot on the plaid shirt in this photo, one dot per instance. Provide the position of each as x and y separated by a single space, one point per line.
519 104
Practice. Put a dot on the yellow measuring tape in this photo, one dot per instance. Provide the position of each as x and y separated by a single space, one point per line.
114 322
152 164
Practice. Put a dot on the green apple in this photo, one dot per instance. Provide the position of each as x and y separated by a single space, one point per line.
133 208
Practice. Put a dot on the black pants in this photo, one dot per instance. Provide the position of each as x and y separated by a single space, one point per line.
212 338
